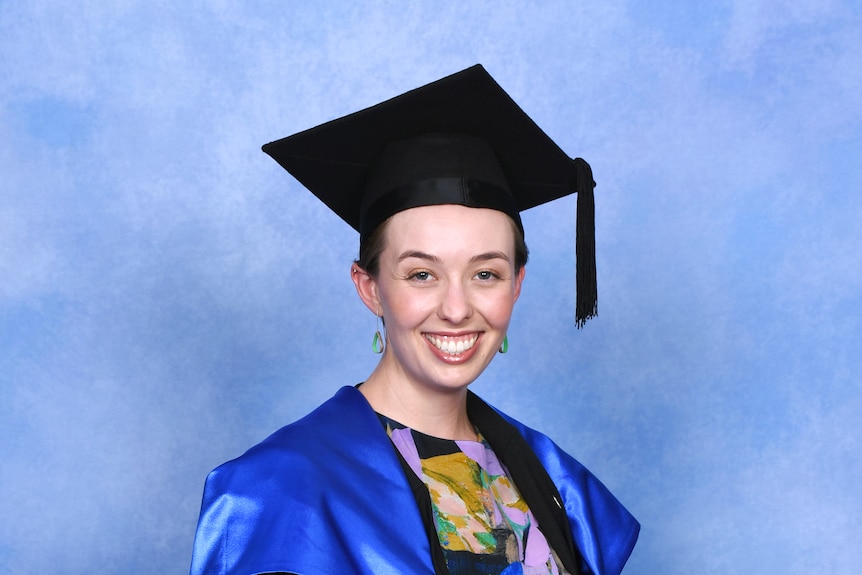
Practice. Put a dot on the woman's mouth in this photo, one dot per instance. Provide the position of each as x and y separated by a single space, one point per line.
452 345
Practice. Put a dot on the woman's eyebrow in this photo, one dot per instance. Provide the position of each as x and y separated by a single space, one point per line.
417 254
490 256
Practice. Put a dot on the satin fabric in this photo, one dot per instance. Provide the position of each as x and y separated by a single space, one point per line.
327 494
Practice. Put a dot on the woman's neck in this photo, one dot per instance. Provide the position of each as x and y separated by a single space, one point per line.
435 412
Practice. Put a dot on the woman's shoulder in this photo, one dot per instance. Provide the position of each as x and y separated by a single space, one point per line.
505 427
315 444
345 410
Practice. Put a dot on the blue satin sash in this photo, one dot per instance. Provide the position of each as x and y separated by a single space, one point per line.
327 494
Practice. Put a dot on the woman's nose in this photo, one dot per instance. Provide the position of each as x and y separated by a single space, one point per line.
455 306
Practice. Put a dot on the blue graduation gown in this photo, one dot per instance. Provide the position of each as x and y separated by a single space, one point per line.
327 494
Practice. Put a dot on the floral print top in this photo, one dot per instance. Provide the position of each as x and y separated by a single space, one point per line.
483 524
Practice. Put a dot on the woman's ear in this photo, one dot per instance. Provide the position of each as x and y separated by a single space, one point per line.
366 287
519 279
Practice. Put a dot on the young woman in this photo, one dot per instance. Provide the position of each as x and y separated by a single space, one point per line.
409 472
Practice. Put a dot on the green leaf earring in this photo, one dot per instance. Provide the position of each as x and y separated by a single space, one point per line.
504 347
378 344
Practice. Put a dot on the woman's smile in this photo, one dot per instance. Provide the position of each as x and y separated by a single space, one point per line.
453 348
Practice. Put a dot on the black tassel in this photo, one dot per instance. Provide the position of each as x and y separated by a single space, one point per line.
585 245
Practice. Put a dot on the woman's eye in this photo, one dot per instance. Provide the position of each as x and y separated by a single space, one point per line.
420 276
485 275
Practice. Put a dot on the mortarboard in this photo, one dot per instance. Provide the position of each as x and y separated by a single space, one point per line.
459 140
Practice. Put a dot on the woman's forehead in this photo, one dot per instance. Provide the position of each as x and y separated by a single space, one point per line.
447 227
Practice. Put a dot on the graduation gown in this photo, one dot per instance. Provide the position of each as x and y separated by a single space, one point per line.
329 494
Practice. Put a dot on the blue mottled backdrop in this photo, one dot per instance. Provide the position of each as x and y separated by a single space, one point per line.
169 295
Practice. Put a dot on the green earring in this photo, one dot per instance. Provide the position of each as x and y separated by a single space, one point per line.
378 344
504 347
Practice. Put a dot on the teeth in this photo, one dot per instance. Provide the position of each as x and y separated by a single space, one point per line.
451 345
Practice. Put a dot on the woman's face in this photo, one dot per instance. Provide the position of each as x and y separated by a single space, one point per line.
446 288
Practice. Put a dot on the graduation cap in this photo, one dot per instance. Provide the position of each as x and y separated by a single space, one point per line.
459 140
